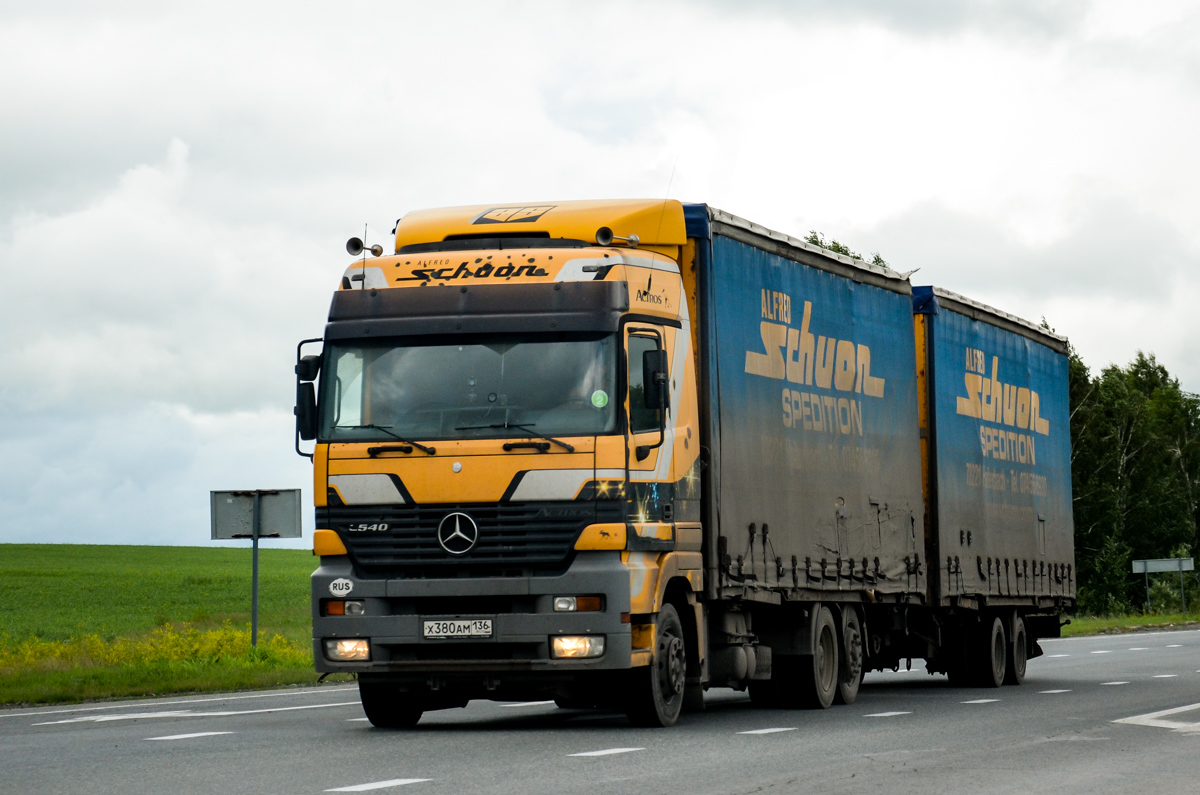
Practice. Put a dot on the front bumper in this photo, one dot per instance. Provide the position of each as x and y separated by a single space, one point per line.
521 610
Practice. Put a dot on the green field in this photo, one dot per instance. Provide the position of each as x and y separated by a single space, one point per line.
83 622
80 622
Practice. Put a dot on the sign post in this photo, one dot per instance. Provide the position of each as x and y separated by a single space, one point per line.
262 513
1145 567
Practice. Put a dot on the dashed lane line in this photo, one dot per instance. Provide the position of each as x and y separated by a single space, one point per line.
608 752
357 720
1057 655
1103 651
1165 676
1114 683
1175 646
190 714
1138 648
980 701
885 714
187 736
298 692
528 704
1054 691
771 731
395 782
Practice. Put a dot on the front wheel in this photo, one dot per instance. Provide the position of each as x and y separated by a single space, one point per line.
387 708
657 696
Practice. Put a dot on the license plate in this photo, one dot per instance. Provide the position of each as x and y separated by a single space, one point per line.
458 628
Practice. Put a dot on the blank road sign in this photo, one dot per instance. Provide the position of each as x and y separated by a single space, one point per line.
233 514
1163 564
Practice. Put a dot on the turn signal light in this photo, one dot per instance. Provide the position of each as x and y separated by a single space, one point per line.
575 646
573 604
347 650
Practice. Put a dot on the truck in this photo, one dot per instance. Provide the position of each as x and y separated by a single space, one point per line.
616 453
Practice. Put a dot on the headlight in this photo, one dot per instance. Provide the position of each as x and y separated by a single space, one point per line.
574 646
347 650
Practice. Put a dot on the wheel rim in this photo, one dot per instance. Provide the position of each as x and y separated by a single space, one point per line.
997 650
826 675
672 665
853 653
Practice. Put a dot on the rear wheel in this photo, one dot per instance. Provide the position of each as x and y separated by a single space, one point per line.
387 708
817 679
1018 653
657 697
850 671
991 653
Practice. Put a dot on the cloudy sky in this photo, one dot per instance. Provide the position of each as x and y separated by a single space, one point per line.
177 182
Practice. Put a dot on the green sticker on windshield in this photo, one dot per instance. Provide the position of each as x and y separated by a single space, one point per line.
599 398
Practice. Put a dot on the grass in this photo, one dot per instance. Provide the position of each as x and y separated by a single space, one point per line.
1110 625
81 622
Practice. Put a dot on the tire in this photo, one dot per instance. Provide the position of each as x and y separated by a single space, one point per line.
387 708
817 680
657 694
1018 652
991 654
850 671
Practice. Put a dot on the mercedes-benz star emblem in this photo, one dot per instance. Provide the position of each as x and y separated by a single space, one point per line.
458 533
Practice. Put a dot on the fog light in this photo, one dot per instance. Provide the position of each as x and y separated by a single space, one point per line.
571 646
347 650
355 608
564 604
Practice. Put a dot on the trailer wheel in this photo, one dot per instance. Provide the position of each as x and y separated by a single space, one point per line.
387 708
657 696
1018 653
818 674
991 654
850 673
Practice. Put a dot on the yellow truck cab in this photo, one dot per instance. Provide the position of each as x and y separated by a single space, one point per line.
507 466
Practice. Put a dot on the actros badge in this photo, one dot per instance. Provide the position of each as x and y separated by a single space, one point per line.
458 533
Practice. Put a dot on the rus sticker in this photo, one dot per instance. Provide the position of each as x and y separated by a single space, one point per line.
341 587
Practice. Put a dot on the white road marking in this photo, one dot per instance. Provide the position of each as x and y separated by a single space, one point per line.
770 731
357 720
188 736
885 714
1057 655
1138 648
1165 676
608 752
1175 646
1155 719
190 714
1054 691
1114 683
1103 651
314 691
528 704
395 782
980 701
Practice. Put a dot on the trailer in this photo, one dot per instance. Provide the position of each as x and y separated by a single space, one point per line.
618 453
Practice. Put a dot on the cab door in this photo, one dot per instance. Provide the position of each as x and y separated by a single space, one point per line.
647 406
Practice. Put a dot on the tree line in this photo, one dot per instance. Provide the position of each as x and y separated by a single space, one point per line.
1135 472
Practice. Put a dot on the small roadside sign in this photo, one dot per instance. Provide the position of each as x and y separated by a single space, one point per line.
261 513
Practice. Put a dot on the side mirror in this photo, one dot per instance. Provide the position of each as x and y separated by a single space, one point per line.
306 410
308 368
654 379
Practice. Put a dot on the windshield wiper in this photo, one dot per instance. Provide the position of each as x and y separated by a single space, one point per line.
418 445
524 427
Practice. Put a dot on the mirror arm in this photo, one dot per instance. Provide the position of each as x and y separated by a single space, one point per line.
643 450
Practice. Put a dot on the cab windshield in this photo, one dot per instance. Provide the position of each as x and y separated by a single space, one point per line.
469 388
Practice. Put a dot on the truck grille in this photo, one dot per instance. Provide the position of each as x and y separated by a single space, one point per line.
515 539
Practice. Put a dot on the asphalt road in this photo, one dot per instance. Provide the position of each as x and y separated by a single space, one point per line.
1087 719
